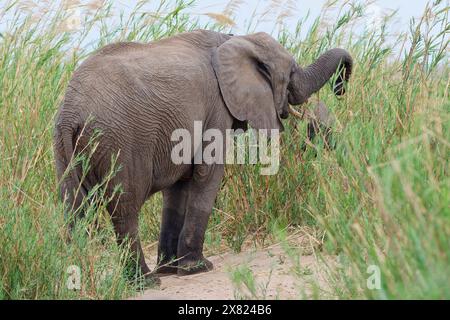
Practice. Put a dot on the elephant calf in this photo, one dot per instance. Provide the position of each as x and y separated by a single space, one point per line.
136 95
321 121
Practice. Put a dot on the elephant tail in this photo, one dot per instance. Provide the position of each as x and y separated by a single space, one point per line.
73 188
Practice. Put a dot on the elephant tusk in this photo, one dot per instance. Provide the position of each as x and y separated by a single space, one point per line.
296 114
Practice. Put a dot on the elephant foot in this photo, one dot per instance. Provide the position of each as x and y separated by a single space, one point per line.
141 276
147 281
194 266
166 270
151 280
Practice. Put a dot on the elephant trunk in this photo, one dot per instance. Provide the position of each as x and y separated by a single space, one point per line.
305 82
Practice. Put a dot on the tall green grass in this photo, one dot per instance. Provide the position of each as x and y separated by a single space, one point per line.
380 198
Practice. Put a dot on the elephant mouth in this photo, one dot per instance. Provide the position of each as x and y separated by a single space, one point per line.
284 114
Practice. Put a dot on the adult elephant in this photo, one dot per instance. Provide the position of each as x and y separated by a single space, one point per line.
136 95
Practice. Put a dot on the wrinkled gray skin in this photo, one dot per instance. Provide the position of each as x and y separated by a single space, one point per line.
138 94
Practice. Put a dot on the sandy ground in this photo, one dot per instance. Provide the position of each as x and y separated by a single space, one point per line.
277 276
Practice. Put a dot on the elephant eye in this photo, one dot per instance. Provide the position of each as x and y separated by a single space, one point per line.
264 68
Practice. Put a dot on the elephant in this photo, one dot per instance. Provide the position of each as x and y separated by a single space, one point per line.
137 94
320 121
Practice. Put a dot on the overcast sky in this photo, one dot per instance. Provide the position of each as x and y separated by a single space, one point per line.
298 9
406 9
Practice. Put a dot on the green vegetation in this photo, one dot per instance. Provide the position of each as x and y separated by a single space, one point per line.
382 197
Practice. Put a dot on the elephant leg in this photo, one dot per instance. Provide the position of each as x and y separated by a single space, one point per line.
125 219
174 208
203 189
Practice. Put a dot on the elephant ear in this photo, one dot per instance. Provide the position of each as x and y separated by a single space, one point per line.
253 73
